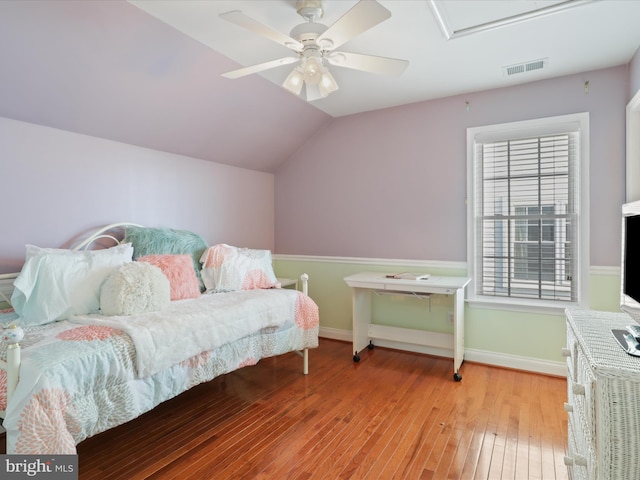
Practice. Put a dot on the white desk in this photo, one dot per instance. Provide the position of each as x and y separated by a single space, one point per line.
364 283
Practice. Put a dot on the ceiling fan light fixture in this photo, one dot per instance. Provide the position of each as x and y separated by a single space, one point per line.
327 84
313 44
318 82
313 92
312 70
294 81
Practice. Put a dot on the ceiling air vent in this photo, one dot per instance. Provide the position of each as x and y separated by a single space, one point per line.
524 67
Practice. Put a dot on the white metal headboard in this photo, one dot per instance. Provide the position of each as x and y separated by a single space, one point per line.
103 233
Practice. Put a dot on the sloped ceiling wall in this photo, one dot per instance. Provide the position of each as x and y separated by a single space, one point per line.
107 69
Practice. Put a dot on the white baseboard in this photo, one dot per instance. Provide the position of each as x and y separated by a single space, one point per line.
336 334
504 360
547 367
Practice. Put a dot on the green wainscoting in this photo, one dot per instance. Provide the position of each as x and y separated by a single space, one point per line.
505 335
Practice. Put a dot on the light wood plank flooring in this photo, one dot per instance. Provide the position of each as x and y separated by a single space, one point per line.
393 415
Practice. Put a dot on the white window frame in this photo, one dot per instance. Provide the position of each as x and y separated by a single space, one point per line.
528 128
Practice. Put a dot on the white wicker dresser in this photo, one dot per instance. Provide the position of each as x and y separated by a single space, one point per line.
603 399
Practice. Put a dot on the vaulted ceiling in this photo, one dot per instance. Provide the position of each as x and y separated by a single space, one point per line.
149 73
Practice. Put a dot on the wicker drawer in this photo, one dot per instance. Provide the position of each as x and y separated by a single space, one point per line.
583 444
579 466
582 393
571 353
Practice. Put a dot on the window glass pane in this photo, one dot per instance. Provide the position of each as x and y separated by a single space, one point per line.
525 202
548 229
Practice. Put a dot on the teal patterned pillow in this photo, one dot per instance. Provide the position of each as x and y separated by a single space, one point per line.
154 241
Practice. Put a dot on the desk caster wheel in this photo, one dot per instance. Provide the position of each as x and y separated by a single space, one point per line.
457 377
356 358
370 346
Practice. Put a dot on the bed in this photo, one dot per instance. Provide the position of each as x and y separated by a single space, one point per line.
91 369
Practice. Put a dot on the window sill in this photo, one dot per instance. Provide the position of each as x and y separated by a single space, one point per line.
514 305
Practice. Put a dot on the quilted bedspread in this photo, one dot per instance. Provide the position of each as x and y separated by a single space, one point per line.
78 380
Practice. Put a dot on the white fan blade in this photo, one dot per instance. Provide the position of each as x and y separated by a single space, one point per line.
368 63
244 21
259 67
364 15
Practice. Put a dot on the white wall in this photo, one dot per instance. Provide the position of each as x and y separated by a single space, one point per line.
57 184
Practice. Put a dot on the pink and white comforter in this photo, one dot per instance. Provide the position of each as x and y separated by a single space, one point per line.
77 380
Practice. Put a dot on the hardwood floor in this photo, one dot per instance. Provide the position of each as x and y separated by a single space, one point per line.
393 415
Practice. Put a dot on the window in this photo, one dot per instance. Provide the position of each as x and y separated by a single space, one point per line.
528 218
534 244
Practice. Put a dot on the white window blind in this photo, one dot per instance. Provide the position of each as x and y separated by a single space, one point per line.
525 213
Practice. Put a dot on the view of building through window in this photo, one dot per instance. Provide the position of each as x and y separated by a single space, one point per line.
524 193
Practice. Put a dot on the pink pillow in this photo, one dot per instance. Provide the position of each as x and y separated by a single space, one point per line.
179 270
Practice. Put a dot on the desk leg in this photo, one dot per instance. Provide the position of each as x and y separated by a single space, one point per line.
361 320
458 332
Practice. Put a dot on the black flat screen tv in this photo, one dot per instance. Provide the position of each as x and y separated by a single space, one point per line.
630 268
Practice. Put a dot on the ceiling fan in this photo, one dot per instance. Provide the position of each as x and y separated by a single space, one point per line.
314 46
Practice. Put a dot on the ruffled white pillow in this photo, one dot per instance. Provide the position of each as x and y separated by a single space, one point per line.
56 283
227 268
136 287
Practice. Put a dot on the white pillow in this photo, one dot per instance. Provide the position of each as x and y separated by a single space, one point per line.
226 268
55 284
135 287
